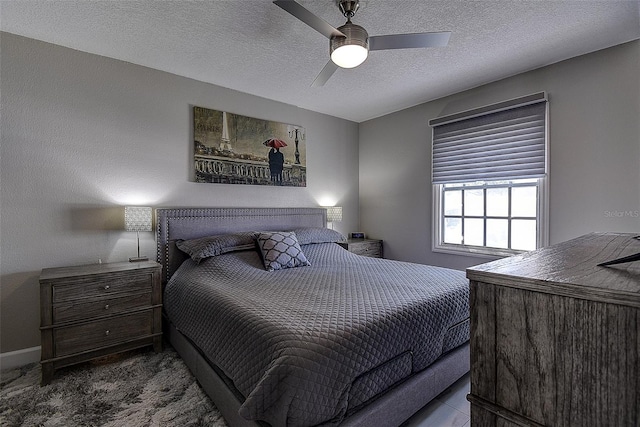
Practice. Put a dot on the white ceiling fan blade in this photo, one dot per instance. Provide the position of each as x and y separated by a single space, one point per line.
407 41
325 74
318 24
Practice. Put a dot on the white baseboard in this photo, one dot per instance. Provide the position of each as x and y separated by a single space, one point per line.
15 359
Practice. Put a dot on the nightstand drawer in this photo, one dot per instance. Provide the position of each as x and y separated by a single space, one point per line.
371 249
366 247
83 309
90 287
88 336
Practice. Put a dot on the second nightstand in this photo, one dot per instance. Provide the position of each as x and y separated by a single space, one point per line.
94 310
367 247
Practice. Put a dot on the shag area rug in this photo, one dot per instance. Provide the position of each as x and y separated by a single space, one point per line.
133 389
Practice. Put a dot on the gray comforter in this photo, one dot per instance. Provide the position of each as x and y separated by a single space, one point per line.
307 345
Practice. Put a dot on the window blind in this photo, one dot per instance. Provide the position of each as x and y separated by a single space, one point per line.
507 142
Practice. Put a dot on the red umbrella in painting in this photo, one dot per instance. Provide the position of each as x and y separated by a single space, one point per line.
275 143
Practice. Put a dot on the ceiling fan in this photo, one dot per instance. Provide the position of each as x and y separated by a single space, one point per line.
349 45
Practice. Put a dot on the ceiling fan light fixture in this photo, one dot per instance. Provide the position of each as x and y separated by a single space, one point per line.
352 50
349 56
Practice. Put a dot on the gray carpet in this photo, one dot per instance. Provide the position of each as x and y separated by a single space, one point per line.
135 389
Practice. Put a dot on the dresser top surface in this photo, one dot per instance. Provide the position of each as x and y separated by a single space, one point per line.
89 269
570 264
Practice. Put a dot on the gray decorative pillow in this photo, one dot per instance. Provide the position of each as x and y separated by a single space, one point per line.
205 247
309 235
280 250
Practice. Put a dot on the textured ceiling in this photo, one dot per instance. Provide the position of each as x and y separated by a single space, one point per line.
255 47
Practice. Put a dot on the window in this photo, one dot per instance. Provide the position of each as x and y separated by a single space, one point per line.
489 178
493 217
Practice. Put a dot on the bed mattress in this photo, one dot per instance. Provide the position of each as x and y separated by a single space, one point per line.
308 345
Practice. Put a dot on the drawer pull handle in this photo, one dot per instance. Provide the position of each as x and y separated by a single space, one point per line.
107 287
106 333
106 306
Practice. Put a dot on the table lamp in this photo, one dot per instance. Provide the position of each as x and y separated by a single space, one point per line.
137 219
334 214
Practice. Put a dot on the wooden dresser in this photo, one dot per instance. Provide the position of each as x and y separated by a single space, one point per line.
94 310
554 337
367 247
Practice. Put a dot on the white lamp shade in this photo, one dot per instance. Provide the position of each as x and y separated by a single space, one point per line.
334 213
349 55
137 218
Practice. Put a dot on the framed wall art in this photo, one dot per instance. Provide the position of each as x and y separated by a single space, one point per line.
234 149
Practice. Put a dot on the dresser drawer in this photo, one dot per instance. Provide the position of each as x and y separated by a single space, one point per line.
102 333
88 287
88 309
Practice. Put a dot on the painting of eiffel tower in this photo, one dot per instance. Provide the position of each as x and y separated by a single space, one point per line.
234 149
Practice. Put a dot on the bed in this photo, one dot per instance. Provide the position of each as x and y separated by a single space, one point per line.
339 340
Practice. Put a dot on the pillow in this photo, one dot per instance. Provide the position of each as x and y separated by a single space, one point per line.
280 250
310 235
205 247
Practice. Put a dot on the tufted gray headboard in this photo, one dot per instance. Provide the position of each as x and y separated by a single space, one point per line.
190 223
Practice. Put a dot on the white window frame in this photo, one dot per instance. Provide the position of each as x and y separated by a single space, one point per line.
542 231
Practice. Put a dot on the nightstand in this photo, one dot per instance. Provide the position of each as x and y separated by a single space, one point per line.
91 311
367 247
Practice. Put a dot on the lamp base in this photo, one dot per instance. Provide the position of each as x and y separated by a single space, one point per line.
138 259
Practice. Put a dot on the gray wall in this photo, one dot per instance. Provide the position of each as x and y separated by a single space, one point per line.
594 137
84 135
